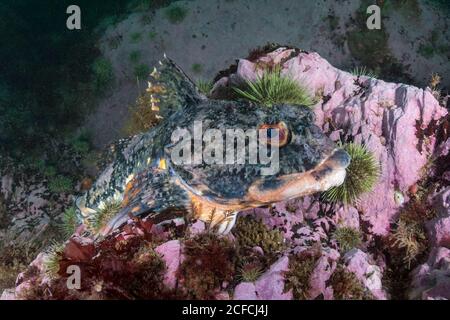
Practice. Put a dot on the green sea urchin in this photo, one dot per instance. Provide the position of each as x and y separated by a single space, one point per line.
106 212
363 72
69 221
362 174
250 272
204 86
274 88
347 238
51 261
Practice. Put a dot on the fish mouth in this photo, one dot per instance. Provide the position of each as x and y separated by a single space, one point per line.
329 173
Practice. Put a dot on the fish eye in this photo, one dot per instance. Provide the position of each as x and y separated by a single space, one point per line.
269 132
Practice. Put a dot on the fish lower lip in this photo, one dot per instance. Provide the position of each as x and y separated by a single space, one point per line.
329 173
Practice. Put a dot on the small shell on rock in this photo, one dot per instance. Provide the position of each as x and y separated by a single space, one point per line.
399 198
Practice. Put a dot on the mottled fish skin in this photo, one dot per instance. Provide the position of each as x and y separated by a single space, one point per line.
152 192
135 157
143 177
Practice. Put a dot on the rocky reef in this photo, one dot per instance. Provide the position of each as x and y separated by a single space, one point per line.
393 243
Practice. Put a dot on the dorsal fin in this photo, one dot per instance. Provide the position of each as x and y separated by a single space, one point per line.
171 89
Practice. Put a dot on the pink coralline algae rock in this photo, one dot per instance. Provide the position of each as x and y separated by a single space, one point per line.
446 176
197 228
8 294
439 227
245 291
431 280
270 286
170 252
347 217
23 285
444 148
442 203
22 289
323 270
388 118
439 231
366 271
38 264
